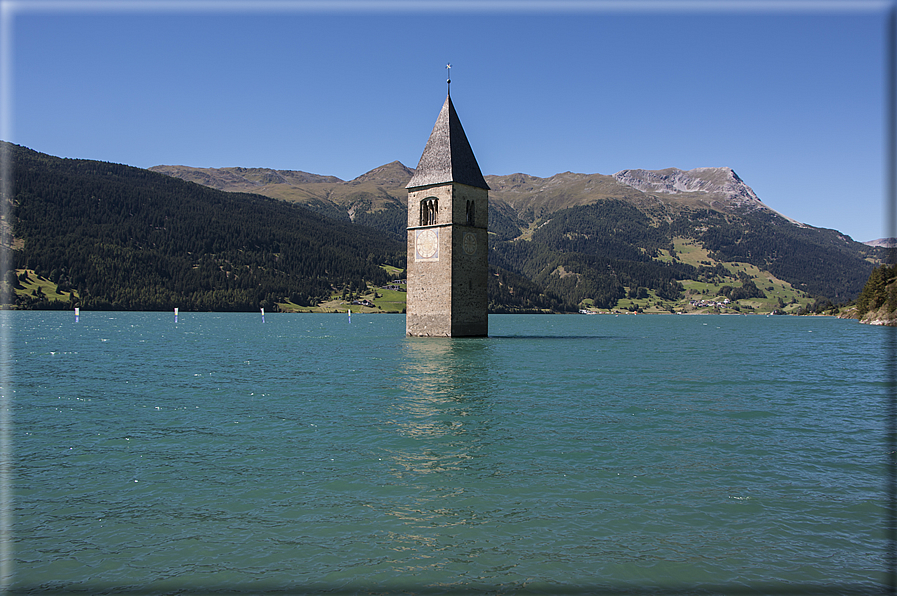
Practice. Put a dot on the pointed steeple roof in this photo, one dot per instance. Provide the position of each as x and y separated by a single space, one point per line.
448 156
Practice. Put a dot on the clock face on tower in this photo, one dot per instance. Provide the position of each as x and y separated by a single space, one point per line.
427 245
470 243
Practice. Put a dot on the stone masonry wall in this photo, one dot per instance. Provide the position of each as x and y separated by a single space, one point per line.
447 294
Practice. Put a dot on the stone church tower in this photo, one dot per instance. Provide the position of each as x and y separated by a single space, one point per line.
448 244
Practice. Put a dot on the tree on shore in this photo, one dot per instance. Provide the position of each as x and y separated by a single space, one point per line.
879 290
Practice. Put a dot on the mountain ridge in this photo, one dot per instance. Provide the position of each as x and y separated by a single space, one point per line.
711 207
531 197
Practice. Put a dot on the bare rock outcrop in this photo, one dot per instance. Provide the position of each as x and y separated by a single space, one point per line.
723 183
880 316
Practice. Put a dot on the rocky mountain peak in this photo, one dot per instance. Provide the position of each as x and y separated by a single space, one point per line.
885 242
723 183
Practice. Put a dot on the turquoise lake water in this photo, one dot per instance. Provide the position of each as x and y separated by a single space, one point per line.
562 455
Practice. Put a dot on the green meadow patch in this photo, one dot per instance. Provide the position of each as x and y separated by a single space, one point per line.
36 287
390 300
394 271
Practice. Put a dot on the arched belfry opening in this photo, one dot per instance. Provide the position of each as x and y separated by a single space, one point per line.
429 210
448 242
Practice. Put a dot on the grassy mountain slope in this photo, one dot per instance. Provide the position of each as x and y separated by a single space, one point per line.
380 190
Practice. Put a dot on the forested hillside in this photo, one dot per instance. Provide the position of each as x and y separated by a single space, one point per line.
668 240
131 239
605 250
600 238
595 252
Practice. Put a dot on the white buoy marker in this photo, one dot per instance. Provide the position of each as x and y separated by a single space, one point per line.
77 313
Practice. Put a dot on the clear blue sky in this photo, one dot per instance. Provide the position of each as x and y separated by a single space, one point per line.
792 100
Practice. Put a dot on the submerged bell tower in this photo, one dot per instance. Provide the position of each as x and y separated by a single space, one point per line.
448 243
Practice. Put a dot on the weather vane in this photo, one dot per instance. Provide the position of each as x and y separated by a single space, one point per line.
448 68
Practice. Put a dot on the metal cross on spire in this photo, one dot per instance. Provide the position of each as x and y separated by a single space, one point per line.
448 68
